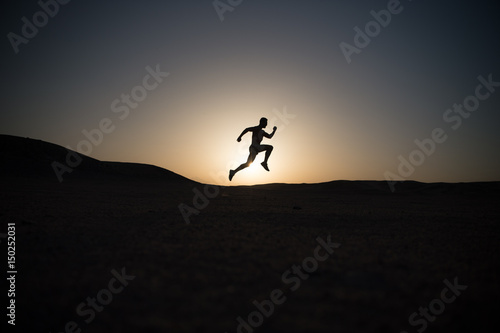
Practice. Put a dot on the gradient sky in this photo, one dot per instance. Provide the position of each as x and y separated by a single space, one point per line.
345 120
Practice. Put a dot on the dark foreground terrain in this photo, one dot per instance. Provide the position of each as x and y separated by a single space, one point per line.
113 253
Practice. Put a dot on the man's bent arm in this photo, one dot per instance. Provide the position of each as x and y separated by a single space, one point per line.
243 133
269 136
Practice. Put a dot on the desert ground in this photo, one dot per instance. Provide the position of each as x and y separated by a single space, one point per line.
111 252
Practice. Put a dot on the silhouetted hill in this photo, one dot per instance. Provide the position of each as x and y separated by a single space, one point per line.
380 187
192 254
27 158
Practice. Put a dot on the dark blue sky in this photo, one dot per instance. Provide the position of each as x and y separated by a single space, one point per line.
355 120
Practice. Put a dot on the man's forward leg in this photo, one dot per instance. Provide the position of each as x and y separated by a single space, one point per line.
268 149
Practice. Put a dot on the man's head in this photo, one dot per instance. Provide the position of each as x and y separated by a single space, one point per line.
263 122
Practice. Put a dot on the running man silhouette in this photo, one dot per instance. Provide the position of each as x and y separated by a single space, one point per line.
257 135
